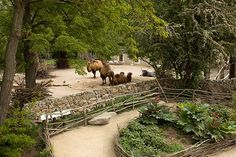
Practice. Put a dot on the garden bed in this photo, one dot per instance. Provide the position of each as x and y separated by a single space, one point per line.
192 130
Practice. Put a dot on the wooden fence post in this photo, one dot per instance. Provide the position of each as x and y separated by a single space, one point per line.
161 89
133 101
193 97
112 103
85 116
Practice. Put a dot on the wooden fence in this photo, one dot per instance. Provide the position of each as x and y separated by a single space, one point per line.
116 104
195 95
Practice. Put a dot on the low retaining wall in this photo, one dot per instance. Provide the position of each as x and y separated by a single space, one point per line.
88 99
85 99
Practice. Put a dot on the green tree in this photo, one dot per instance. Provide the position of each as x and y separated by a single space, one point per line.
67 27
71 27
198 32
5 18
10 58
17 134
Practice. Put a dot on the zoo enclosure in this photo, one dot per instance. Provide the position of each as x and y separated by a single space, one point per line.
124 102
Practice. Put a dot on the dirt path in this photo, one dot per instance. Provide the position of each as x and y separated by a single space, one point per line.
91 141
229 152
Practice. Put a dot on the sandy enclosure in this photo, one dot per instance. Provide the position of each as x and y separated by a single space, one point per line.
75 83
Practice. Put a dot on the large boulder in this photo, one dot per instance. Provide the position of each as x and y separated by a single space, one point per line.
102 119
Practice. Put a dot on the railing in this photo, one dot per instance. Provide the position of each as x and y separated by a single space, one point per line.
196 95
81 115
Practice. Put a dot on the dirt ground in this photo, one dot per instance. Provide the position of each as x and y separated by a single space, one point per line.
229 152
91 141
68 82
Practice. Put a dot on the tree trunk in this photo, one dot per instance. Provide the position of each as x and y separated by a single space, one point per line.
10 58
232 68
30 68
29 57
62 60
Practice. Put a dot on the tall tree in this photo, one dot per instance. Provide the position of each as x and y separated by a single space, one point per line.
198 32
10 57
30 57
65 27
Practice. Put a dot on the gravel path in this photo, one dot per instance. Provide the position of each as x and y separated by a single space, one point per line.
91 141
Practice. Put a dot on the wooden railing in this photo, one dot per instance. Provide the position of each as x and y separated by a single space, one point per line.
116 104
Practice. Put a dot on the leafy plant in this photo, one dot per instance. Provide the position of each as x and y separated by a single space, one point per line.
205 122
45 153
156 114
16 134
233 115
141 140
79 65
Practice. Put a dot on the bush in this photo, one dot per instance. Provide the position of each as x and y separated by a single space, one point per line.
157 114
205 122
141 140
45 153
16 134
201 121
233 115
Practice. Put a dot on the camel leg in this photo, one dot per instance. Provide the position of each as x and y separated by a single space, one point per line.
103 81
94 74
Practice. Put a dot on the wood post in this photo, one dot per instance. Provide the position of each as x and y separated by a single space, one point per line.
112 103
133 101
85 116
193 95
159 85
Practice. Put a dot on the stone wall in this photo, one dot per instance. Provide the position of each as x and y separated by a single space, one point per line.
85 99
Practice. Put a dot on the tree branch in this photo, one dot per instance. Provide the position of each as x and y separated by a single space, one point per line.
34 16
39 23
67 1
31 2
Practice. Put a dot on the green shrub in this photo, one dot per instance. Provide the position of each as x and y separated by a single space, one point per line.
79 65
16 134
205 122
157 114
143 137
233 115
141 140
45 153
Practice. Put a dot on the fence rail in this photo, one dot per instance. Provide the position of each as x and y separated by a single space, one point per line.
116 104
196 95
